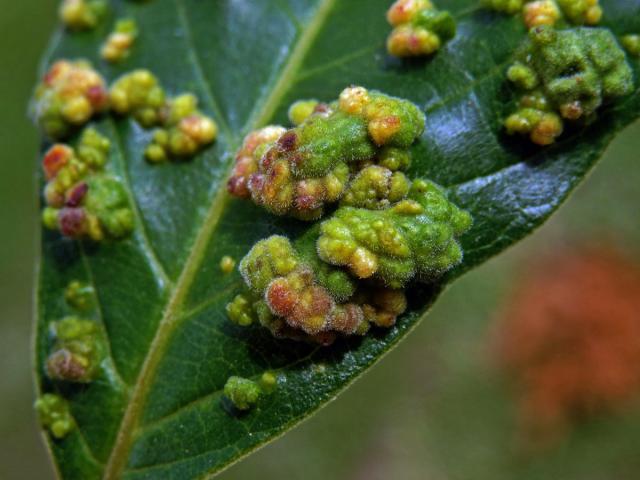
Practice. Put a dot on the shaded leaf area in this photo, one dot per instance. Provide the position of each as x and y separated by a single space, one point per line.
156 412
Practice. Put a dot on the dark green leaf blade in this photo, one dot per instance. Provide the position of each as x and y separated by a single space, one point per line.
156 412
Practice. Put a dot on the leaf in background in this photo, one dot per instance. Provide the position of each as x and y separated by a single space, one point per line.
156 411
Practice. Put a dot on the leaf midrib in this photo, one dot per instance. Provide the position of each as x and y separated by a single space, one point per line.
171 316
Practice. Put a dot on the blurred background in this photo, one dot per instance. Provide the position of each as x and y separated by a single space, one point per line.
526 368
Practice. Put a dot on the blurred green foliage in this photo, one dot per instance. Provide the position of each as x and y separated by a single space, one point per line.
434 409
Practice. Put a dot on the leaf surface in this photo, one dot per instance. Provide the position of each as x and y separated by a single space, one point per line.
156 410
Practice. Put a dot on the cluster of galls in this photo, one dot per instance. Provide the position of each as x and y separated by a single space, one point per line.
298 171
348 274
69 95
119 42
550 12
77 350
565 75
184 129
294 297
76 353
82 200
54 414
244 393
72 92
412 238
420 29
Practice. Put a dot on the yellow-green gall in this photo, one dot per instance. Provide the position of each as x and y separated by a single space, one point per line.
419 28
581 12
119 42
68 96
240 311
227 264
268 381
631 43
394 159
242 392
541 12
414 238
376 187
54 414
186 130
268 259
565 74
139 94
301 110
80 295
77 350
82 14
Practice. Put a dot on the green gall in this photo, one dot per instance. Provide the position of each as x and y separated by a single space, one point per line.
185 130
414 238
77 350
375 188
140 95
420 29
83 201
80 296
550 12
298 171
268 381
394 159
82 14
119 42
581 12
301 110
565 74
242 392
54 414
68 96
632 44
241 311
227 264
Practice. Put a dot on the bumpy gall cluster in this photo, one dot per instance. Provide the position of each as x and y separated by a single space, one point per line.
82 14
185 130
347 273
415 237
550 12
565 75
140 95
54 414
119 42
77 352
80 296
69 95
419 28
242 392
298 171
82 200
299 299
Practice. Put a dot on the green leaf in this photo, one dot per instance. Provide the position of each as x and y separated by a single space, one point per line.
156 411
